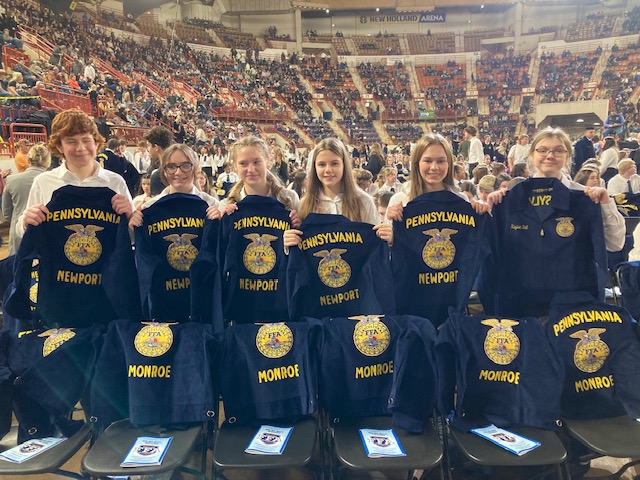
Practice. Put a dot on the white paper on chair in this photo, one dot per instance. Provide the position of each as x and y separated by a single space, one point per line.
147 451
30 449
381 443
269 440
510 441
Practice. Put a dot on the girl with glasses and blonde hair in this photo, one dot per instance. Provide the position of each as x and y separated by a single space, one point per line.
178 171
550 155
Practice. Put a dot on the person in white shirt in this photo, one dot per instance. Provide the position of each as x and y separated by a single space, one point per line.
476 149
627 180
388 180
126 153
608 159
228 176
142 157
519 153
74 137
332 189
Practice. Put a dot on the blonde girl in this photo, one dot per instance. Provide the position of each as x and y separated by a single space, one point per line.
250 158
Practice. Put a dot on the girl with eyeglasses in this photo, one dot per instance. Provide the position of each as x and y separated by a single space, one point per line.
178 170
550 155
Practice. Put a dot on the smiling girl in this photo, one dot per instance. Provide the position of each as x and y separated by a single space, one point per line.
431 171
333 190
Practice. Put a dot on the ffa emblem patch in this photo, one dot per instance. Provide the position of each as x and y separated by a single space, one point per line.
274 340
591 352
154 339
370 336
565 228
33 291
31 447
83 247
624 207
259 257
332 269
501 345
381 441
439 251
147 450
55 338
269 438
181 253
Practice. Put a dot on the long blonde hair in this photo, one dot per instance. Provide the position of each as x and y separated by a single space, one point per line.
352 202
275 185
418 186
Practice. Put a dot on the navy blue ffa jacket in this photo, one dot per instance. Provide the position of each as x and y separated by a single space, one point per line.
251 254
269 371
86 271
155 373
358 363
340 268
167 243
206 304
437 251
545 238
413 394
629 274
628 204
600 348
500 370
52 370
6 385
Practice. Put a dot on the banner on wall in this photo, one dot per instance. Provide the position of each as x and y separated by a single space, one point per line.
427 115
431 17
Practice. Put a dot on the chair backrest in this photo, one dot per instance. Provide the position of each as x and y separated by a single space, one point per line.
631 223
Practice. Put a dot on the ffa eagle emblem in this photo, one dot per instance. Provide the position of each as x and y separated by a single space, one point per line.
33 289
146 450
259 257
83 247
269 438
370 336
31 447
501 345
591 352
332 269
55 338
439 251
624 207
565 228
154 339
181 253
274 340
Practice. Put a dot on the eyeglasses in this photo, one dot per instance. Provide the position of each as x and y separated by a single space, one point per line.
173 168
558 152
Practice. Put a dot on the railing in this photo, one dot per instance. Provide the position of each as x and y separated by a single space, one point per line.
32 132
11 56
131 134
63 97
257 116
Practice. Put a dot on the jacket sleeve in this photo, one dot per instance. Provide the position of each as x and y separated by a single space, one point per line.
109 389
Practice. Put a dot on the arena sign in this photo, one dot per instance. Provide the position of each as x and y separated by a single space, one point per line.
411 18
